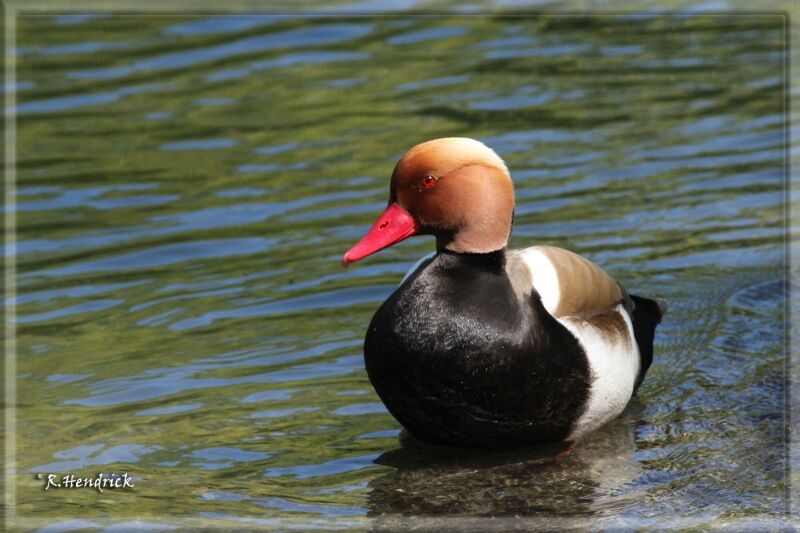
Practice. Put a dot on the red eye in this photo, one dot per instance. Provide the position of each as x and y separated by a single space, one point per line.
428 182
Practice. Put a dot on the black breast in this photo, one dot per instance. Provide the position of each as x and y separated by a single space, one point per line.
458 359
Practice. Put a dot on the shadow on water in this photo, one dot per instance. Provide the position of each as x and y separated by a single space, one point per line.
430 482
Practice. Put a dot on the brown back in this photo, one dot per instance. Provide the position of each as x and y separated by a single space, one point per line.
584 288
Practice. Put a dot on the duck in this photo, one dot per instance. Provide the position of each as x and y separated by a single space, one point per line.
484 346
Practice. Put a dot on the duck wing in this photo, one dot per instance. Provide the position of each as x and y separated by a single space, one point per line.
614 328
568 284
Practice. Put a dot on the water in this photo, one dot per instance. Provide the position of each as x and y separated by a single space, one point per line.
187 185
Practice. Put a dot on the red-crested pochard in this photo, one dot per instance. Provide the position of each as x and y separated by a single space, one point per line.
484 346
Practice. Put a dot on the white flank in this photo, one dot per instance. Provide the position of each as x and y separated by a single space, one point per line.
613 364
613 359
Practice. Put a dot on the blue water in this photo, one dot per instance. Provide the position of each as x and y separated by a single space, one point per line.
187 184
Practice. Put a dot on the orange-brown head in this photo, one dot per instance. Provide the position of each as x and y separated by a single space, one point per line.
455 188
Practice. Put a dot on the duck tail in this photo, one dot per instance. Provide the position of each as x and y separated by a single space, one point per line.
647 314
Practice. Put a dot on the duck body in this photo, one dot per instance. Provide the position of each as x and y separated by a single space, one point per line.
457 358
459 355
488 347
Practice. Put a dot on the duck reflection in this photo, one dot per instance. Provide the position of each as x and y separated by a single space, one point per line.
433 482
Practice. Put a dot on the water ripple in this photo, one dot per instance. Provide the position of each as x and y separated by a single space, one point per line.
186 187
318 35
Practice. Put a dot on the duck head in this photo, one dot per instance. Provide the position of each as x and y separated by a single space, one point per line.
456 189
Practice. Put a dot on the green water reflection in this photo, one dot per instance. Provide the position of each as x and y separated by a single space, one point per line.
186 186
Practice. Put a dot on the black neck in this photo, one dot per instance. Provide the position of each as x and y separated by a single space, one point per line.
494 262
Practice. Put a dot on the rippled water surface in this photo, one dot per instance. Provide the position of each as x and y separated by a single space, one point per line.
187 185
